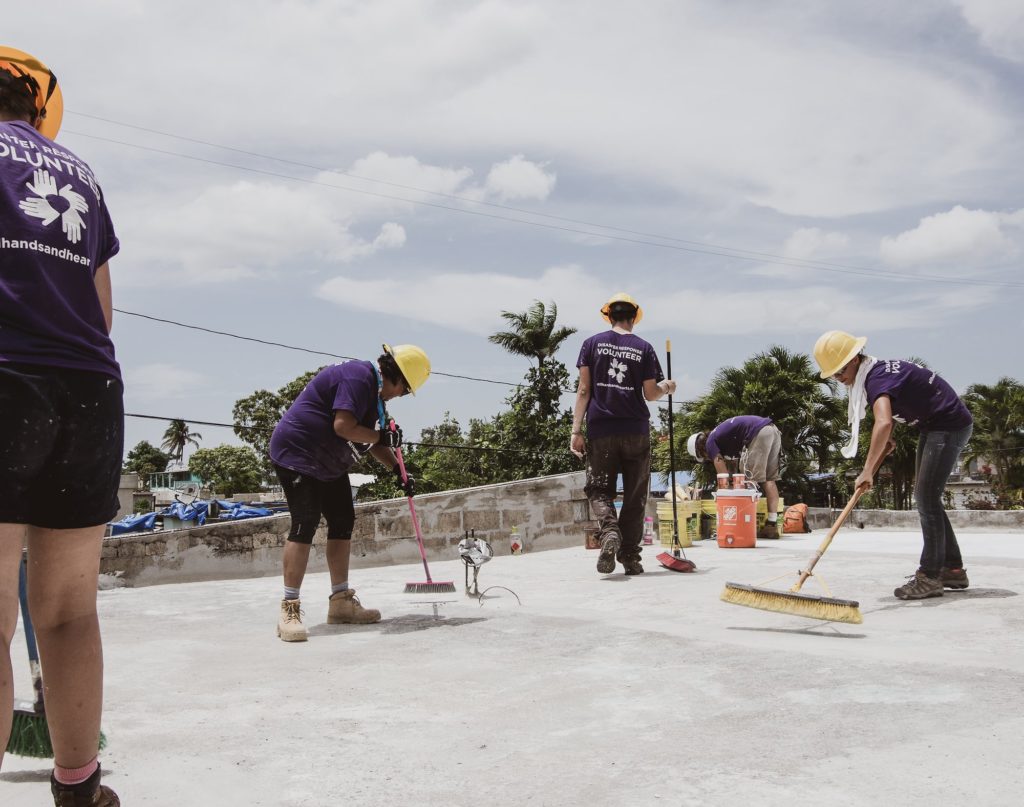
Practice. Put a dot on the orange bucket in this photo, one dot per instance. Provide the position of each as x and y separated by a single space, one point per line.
737 518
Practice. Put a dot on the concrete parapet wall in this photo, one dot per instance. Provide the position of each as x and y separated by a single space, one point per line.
974 520
550 512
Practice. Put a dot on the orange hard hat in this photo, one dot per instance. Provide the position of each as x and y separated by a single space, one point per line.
49 101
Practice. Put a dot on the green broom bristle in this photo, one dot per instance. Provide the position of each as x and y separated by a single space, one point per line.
30 736
429 588
828 609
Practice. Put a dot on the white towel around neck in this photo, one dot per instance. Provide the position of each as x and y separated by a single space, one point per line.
857 405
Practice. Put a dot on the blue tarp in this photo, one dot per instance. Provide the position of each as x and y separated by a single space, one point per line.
238 510
133 523
193 511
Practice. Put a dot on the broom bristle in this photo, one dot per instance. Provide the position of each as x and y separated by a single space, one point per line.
828 609
429 588
30 736
672 563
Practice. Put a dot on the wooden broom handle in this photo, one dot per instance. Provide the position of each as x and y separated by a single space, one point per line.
835 527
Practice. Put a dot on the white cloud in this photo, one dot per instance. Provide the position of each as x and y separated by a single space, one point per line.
809 243
519 178
162 381
999 23
973 237
808 308
429 298
408 172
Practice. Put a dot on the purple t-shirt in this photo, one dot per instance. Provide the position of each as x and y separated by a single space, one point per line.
55 232
919 397
619 364
304 439
730 437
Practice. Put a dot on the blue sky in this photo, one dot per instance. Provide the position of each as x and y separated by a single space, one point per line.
754 173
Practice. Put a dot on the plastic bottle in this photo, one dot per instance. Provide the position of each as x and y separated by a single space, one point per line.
515 542
648 530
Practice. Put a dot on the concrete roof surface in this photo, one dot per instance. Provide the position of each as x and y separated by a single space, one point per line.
597 690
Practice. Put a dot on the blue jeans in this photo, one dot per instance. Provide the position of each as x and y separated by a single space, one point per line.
607 457
936 458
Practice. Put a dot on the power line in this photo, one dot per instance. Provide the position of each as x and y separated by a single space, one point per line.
737 254
289 347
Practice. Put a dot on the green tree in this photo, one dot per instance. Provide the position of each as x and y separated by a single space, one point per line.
228 469
998 438
780 385
256 415
533 333
532 434
177 436
145 459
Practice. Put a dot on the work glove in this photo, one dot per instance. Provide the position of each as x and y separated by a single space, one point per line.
408 485
390 439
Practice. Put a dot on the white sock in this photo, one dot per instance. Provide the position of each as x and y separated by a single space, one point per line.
291 593
773 517
339 588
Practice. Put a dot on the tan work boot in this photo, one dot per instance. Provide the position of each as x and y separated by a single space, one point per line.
344 608
289 624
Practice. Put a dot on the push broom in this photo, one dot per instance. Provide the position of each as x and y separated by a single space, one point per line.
676 559
829 609
431 586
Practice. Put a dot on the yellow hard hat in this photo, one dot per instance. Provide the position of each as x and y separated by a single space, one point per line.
835 349
622 297
413 363
43 83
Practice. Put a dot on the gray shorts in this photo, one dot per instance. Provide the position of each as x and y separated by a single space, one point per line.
760 460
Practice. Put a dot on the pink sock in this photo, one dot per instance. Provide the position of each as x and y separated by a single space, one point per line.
75 776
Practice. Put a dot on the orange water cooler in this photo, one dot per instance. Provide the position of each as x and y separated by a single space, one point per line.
737 518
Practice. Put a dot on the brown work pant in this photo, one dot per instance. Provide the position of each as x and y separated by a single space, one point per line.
607 457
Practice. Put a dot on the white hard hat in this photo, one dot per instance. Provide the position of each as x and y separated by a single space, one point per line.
691 444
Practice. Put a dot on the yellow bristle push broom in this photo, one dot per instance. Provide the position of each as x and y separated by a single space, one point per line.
829 609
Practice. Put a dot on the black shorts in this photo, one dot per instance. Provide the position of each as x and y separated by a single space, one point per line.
61 444
309 498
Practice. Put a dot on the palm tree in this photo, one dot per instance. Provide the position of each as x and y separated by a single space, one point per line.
533 332
998 411
177 437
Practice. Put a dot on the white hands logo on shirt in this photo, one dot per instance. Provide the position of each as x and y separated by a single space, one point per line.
44 186
617 370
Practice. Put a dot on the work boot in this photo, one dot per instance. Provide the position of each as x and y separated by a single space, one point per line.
632 566
955 578
289 624
768 532
345 609
606 560
89 793
920 587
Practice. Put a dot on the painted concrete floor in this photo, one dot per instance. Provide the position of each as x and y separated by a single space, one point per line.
597 690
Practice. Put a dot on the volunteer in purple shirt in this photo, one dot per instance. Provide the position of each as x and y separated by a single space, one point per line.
899 391
323 434
61 416
753 444
619 374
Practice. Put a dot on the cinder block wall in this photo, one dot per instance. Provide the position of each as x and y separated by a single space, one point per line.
550 512
821 518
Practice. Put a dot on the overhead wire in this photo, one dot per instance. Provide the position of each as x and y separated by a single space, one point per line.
681 245
791 261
